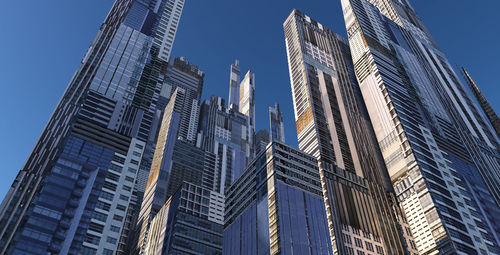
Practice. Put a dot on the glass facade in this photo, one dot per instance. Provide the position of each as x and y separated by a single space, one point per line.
183 224
276 206
333 125
441 154
105 125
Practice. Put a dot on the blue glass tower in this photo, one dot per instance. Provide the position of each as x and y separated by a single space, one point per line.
276 206
76 193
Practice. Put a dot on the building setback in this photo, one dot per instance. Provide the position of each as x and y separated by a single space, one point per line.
442 156
276 206
333 126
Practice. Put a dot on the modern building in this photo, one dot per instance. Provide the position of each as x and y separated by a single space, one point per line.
187 223
276 206
276 126
234 86
261 140
247 107
441 153
223 132
483 102
182 74
333 126
75 193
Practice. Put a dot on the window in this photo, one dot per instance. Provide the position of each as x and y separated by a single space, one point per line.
129 179
112 176
358 242
99 216
369 246
107 195
102 205
121 207
111 240
96 227
114 228
93 239
127 188
380 250
124 198
116 168
107 252
88 251
109 185
118 217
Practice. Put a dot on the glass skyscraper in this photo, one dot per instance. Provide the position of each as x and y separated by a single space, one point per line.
76 191
441 153
276 206
333 126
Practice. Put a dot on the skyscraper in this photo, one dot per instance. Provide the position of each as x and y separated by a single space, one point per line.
441 154
187 223
276 126
223 132
155 194
75 190
234 86
261 140
276 206
333 126
247 107
483 102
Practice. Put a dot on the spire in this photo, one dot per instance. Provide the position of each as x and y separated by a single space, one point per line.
234 85
485 105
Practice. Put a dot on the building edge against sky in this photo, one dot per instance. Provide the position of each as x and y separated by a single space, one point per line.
76 192
333 126
130 108
441 154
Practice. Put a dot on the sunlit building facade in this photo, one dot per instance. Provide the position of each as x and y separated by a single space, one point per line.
333 126
441 153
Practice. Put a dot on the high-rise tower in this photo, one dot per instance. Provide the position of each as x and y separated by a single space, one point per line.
333 126
234 86
74 193
224 133
247 107
442 156
276 126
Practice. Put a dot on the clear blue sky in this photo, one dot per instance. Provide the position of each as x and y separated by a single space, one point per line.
43 42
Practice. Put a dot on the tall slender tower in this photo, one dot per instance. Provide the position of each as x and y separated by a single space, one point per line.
75 192
333 126
247 107
234 85
276 125
442 156
157 184
485 105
